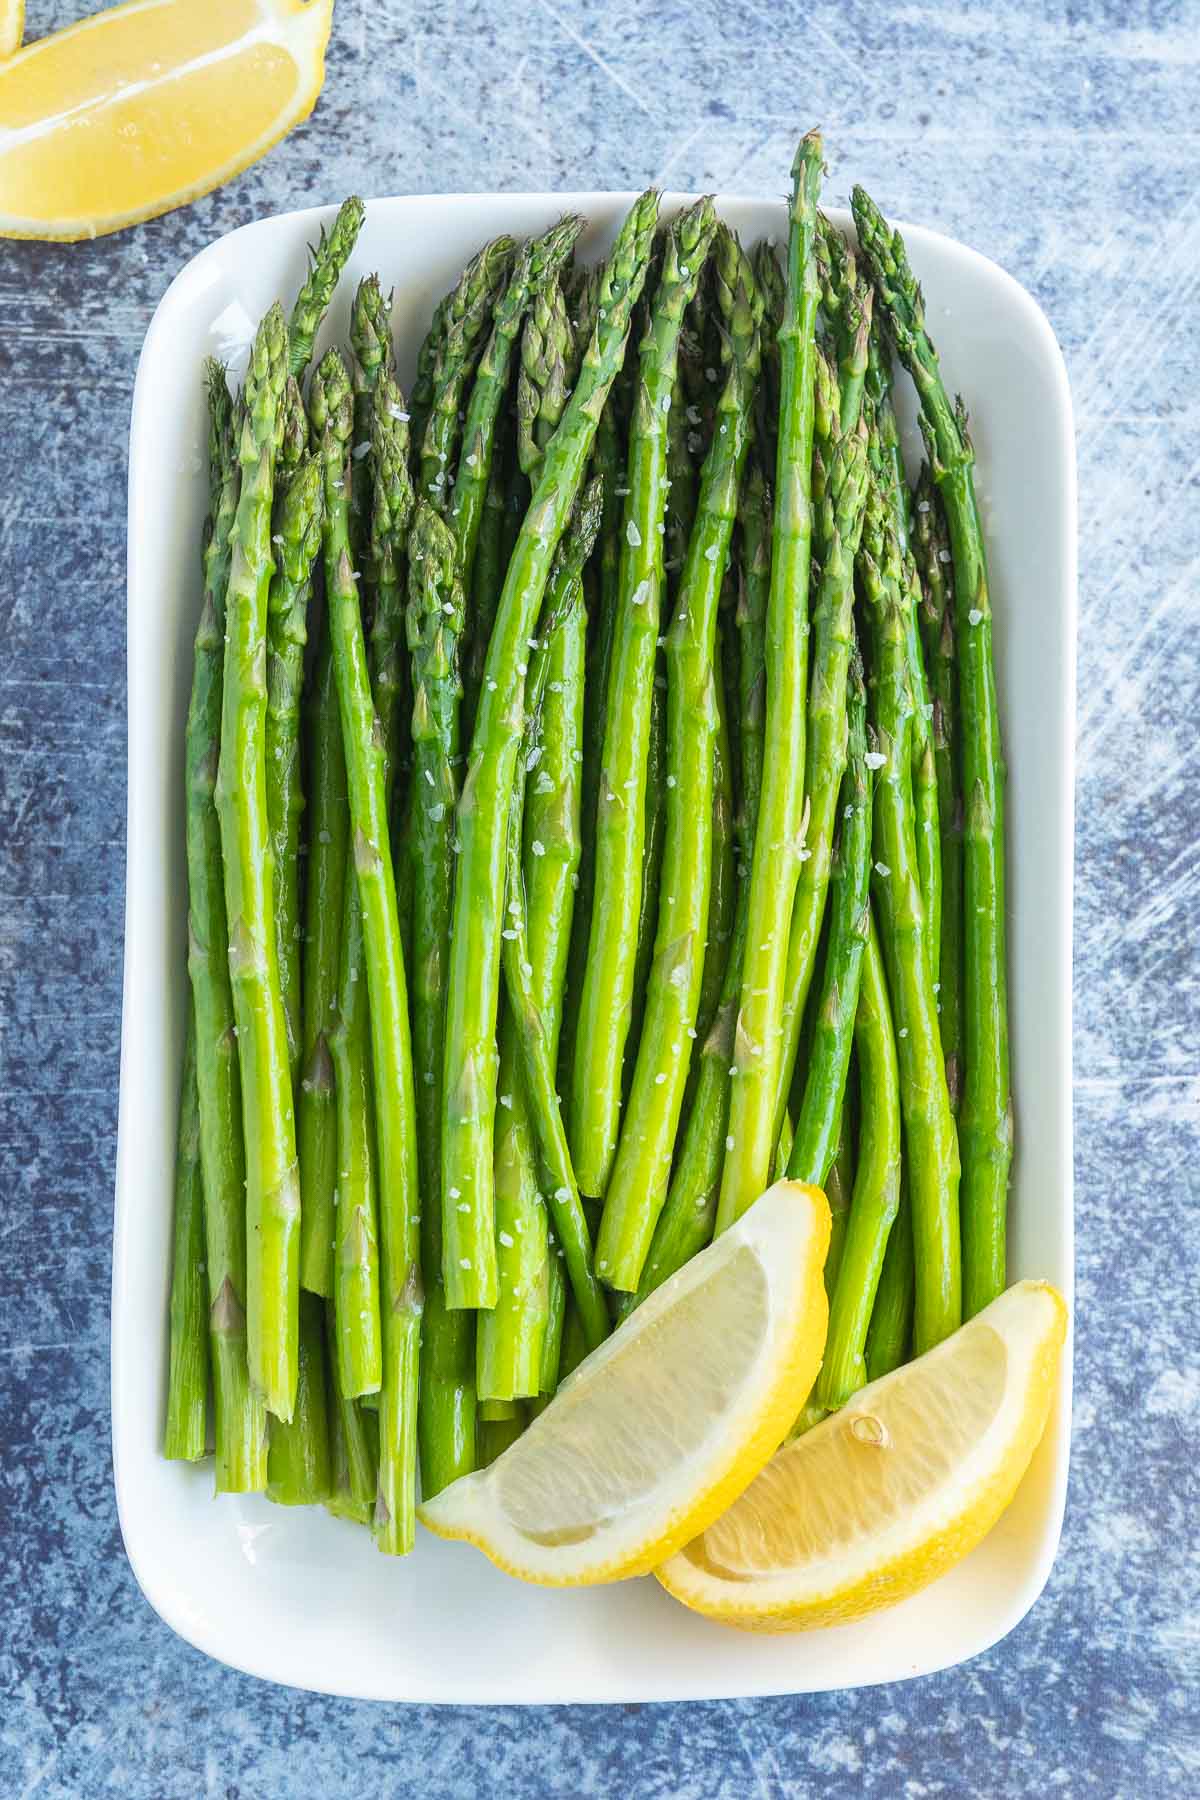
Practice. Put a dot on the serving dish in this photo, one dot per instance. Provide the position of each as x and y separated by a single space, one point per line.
302 1598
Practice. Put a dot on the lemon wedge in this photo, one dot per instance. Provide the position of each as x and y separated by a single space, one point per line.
662 1427
144 107
886 1495
12 25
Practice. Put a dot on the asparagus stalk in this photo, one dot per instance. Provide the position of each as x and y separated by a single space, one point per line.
434 625
399 1194
532 1289
842 462
533 1037
272 1187
932 549
487 574
876 1190
779 837
298 1466
328 257
239 1415
686 1223
608 463
888 460
889 1336
469 1095
985 1120
638 1186
537 263
297 540
467 316
185 1434
929 1132
316 1128
359 1330
815 1144
606 998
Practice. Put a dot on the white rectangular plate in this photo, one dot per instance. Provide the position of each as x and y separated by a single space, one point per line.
303 1598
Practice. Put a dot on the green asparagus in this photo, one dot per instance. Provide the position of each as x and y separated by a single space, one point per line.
817 1131
932 549
328 257
876 1190
297 541
930 1139
985 1119
842 461
606 998
272 1186
399 1192
316 1128
778 840
469 1097
467 318
638 1185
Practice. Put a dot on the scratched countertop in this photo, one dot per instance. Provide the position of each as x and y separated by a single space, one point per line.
1058 140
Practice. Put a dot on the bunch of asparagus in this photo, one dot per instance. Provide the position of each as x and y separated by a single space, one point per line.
594 809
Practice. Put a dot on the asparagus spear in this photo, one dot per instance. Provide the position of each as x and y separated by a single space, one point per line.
839 1184
469 1097
467 317
298 1469
359 1331
328 257
815 1143
841 458
608 983
888 461
932 550
316 1128
638 1186
239 1415
399 1194
272 1187
985 1120
434 626
608 463
686 1223
532 1288
297 540
185 1434
536 264
930 1138
889 1336
779 838
876 1190
530 1025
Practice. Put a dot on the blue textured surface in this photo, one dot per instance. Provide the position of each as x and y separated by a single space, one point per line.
1058 140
